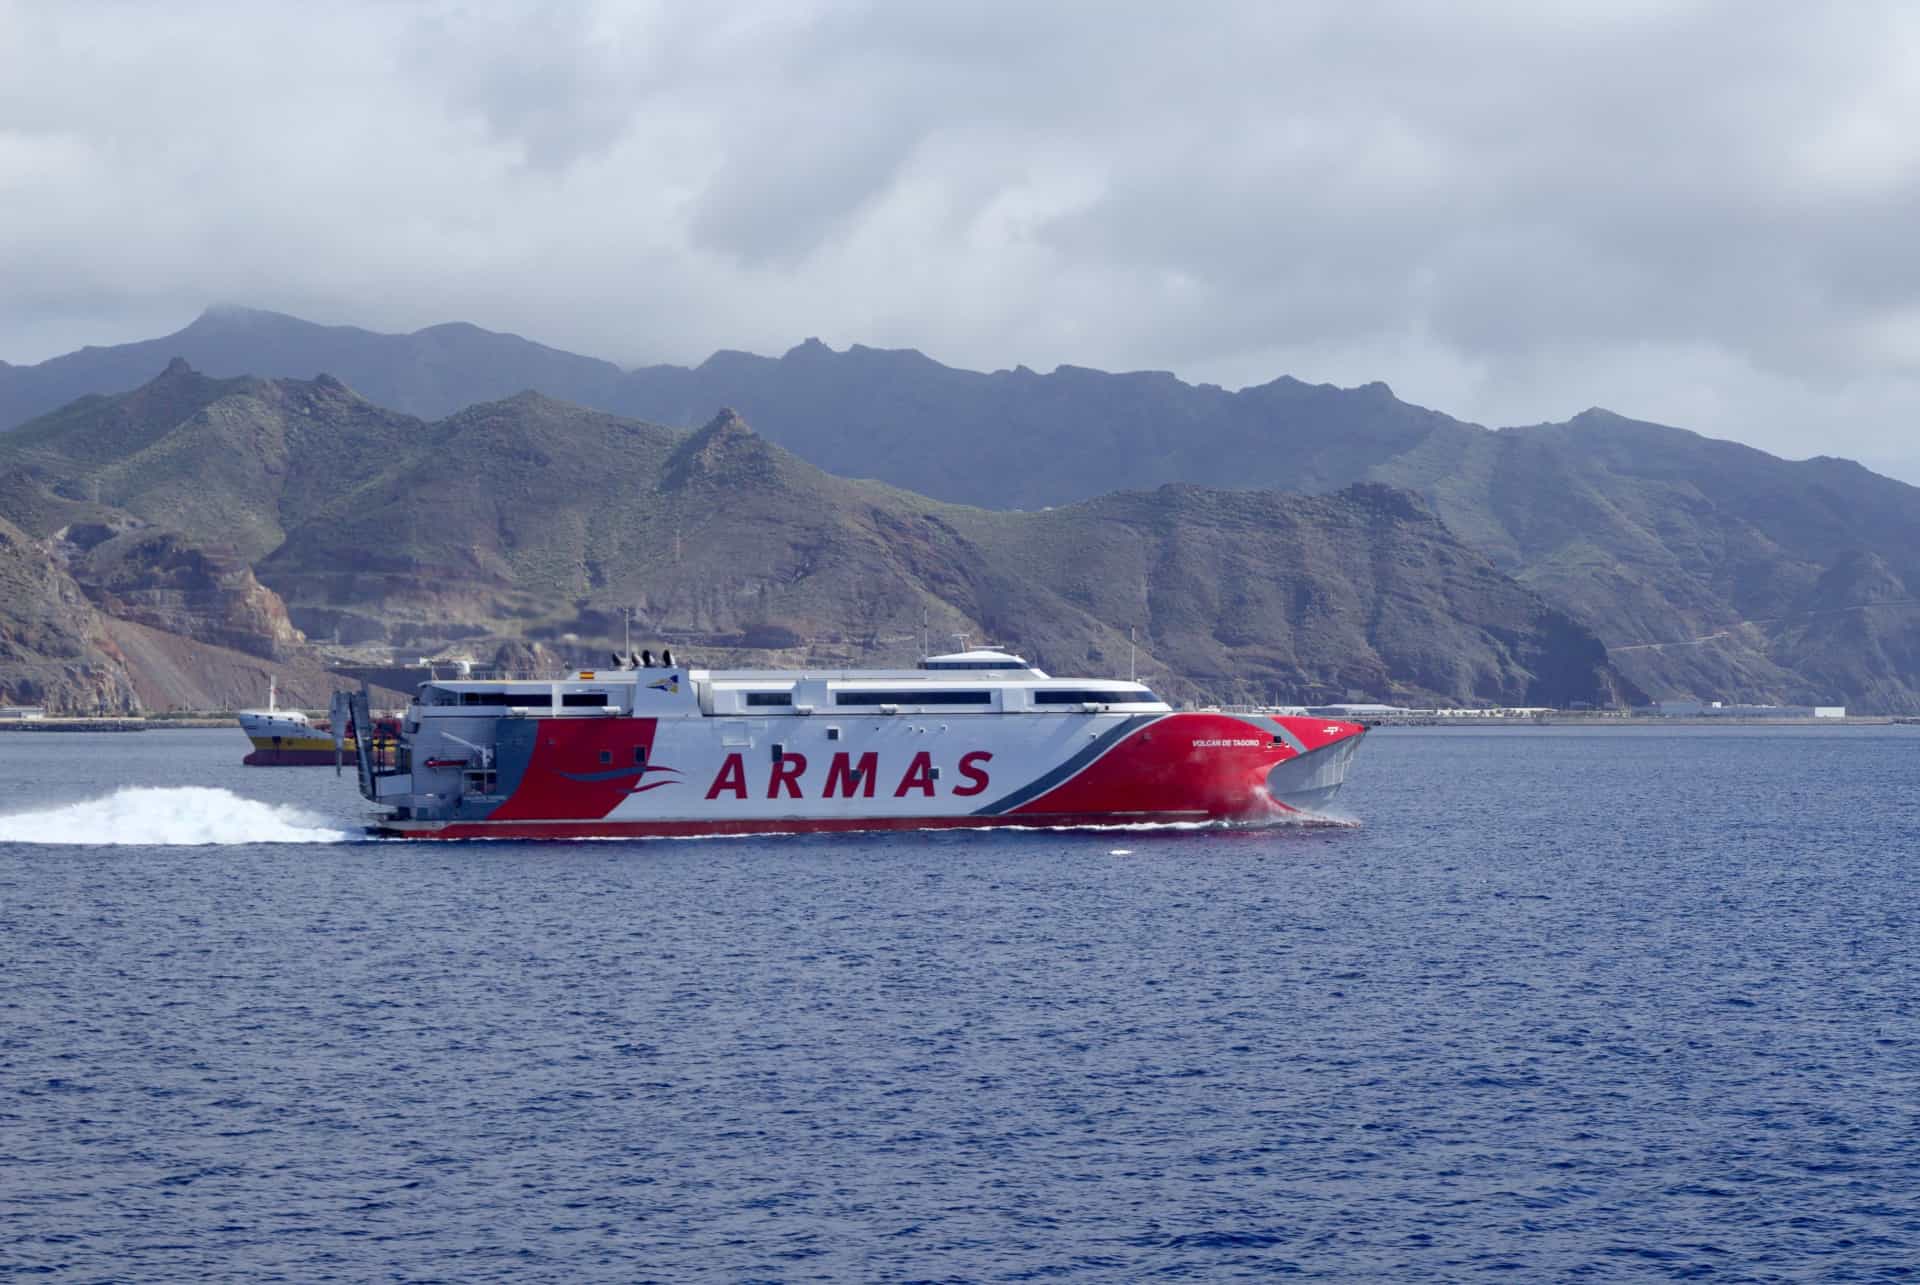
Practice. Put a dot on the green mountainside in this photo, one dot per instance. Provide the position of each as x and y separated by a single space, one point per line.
1710 569
531 519
1705 565
234 462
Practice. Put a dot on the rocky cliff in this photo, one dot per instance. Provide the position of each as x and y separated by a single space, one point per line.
158 578
53 645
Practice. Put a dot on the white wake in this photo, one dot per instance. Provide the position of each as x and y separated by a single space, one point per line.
189 814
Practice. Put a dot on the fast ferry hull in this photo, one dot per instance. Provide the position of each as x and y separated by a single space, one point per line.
634 777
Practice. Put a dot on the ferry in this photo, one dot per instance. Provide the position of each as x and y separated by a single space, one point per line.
970 739
288 738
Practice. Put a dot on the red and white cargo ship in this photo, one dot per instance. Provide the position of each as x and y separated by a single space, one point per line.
973 739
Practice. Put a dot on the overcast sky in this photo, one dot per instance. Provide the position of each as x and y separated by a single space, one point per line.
1703 214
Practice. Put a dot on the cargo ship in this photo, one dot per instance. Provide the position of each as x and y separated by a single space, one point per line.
971 739
288 738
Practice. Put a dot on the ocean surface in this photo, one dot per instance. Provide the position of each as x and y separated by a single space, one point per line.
1560 1003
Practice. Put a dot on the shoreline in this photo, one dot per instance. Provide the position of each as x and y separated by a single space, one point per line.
112 724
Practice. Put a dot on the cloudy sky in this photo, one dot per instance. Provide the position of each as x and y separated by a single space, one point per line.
1704 214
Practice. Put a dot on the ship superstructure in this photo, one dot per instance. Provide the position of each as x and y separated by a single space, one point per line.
973 738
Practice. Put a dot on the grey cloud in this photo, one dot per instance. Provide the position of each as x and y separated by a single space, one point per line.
551 81
777 205
1694 212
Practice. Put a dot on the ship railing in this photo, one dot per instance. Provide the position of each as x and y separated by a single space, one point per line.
495 674
449 673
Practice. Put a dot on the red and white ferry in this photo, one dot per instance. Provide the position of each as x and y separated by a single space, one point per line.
972 739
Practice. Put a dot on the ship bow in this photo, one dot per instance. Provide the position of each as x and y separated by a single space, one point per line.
1309 782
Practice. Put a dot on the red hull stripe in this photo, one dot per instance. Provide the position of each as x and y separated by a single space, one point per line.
577 767
1201 761
771 825
1066 771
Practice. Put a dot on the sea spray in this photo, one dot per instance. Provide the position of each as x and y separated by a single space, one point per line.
181 815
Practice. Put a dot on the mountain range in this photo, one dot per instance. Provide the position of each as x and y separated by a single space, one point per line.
1707 568
530 519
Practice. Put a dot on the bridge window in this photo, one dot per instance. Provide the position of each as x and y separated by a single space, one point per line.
769 698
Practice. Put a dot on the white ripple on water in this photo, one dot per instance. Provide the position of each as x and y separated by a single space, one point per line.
170 817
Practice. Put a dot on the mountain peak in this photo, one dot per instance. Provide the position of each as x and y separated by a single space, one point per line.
810 347
235 316
533 398
725 450
178 366
726 422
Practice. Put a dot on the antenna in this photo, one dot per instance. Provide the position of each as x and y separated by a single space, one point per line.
1130 652
925 651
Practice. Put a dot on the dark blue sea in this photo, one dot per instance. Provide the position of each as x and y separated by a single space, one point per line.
1609 1004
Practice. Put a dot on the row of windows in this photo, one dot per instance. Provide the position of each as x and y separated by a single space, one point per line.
1101 696
1041 696
913 698
536 700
